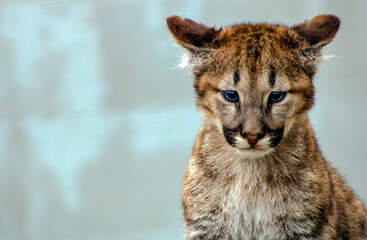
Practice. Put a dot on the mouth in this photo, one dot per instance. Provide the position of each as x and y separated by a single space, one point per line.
252 149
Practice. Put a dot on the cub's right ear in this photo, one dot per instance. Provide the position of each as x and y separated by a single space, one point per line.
191 35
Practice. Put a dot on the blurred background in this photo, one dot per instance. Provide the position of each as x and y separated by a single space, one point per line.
97 123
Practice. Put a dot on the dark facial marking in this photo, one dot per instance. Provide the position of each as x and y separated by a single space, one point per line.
256 54
275 136
256 40
272 77
236 77
229 135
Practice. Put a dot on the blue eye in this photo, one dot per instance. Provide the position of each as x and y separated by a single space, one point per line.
231 96
276 97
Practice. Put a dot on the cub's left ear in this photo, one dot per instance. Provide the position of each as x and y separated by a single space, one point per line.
320 30
191 35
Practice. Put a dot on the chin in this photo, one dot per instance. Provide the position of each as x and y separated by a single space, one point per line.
253 152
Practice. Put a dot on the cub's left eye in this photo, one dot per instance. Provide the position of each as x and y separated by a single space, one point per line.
276 97
231 96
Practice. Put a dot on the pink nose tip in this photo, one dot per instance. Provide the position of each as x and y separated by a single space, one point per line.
252 138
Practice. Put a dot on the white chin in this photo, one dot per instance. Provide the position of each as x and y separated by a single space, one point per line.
253 152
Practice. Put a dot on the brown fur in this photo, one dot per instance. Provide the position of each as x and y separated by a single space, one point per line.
256 171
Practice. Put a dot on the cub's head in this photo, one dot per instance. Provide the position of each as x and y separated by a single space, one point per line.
254 80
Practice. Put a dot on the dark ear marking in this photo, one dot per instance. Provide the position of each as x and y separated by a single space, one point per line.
236 77
190 34
272 76
320 30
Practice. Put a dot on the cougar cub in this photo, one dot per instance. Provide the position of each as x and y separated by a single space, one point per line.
256 171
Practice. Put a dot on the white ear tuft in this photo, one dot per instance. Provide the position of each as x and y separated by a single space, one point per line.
185 61
327 57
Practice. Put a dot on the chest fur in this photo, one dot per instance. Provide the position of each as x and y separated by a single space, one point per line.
253 211
250 207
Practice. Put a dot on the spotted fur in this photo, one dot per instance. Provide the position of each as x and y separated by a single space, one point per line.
256 171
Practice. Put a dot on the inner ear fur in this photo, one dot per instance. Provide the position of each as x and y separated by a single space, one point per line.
320 30
190 34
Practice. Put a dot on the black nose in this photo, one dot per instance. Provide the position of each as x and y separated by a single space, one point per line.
252 138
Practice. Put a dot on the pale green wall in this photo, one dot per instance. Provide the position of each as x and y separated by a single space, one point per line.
97 123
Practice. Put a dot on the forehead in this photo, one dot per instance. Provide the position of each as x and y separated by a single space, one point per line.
263 80
262 44
253 51
258 48
260 34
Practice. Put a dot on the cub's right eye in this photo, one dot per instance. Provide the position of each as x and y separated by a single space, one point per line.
231 96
